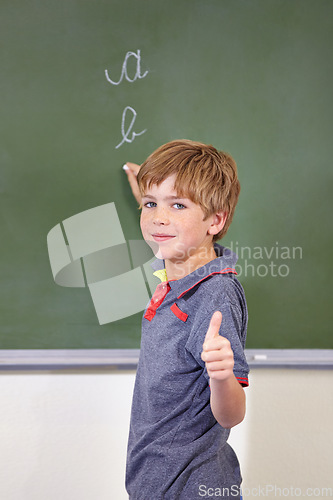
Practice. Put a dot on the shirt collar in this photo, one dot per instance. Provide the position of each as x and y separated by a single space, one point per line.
223 264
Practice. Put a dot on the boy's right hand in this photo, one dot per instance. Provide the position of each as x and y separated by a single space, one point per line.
132 172
217 352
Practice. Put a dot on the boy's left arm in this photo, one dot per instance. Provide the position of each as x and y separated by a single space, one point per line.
227 395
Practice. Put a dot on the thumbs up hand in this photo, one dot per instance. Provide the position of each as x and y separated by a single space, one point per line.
217 353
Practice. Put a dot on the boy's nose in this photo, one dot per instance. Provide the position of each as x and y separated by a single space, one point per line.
160 217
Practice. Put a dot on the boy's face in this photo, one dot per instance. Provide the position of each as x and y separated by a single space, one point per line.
175 227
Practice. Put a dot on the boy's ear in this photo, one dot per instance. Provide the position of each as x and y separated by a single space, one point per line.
219 219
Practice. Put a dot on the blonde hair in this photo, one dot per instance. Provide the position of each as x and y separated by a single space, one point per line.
204 175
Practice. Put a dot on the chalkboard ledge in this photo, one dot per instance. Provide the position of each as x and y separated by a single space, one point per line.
127 359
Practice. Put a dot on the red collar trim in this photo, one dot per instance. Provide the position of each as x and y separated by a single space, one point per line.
227 270
160 293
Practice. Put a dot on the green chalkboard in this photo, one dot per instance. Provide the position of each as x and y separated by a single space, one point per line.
88 85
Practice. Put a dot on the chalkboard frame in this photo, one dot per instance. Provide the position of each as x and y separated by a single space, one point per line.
127 359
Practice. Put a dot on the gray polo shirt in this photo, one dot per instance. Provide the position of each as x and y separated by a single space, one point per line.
176 448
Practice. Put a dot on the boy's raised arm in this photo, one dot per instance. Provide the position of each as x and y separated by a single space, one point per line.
132 170
227 395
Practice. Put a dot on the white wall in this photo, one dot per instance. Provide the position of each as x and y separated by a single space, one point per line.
289 434
63 434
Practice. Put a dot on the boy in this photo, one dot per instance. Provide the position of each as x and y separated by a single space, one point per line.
192 368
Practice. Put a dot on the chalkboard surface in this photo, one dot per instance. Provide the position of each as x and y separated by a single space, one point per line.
87 86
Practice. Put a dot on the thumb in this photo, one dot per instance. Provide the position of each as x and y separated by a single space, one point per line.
134 167
214 326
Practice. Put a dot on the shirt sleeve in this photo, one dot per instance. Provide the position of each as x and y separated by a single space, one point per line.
228 299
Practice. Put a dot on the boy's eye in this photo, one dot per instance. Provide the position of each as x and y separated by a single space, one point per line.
150 204
179 206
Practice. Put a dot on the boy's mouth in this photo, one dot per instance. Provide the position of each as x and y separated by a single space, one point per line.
162 237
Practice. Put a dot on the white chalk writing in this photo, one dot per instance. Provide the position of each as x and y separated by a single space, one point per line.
124 72
128 135
125 135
